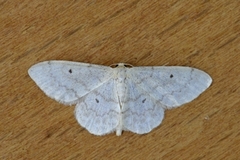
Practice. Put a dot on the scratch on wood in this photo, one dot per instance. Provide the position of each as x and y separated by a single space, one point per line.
228 42
116 13
62 133
19 134
4 58
193 118
74 31
23 55
205 11
35 113
226 137
134 3
196 53
172 26
49 43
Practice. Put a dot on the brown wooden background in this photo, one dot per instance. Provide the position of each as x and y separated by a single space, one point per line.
197 33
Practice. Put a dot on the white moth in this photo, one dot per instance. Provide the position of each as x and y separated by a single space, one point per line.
122 97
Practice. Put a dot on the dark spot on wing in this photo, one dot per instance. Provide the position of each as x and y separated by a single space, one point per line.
171 76
143 101
97 100
70 70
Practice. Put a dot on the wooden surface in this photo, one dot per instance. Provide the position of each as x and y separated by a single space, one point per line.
202 34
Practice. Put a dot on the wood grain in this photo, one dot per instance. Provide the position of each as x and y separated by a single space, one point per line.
202 34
